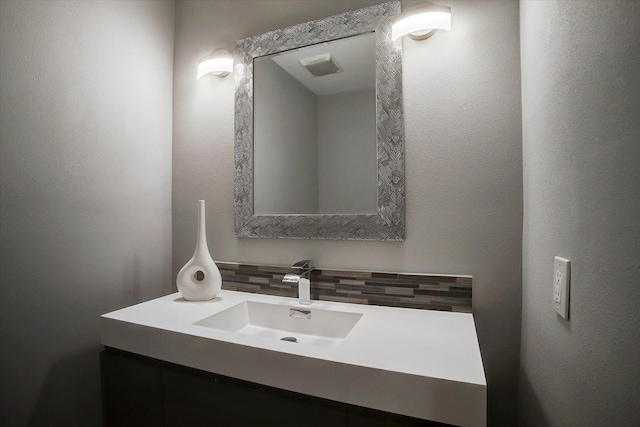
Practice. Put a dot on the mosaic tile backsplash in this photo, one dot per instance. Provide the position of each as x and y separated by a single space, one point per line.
422 291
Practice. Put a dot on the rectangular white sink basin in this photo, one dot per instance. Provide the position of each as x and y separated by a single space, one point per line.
303 325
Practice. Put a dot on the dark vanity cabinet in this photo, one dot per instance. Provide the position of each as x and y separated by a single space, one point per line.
140 391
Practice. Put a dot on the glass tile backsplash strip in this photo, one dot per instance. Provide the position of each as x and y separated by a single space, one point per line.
422 291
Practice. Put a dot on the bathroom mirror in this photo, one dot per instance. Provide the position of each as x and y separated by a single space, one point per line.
319 131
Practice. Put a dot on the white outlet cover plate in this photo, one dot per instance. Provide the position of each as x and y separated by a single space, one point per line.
561 286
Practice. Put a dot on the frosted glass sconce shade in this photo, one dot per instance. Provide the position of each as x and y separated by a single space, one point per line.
421 22
219 63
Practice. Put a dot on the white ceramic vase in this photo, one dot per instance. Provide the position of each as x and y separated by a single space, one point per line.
200 279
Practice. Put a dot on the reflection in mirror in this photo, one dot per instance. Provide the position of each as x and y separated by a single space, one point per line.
315 129
289 181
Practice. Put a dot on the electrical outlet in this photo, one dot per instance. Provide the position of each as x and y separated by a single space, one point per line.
561 284
557 287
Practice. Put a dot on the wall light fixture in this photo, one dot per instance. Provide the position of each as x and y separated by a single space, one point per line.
421 21
218 63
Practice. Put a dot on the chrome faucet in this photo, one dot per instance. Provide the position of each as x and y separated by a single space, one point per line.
301 274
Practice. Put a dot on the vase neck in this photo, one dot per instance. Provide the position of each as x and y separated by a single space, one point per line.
201 240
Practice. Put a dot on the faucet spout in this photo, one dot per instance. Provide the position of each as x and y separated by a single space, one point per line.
301 275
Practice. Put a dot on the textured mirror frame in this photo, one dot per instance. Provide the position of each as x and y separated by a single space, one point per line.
389 222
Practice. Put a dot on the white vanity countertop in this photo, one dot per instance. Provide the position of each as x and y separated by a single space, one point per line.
420 363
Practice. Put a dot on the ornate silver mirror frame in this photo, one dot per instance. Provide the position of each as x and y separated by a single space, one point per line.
388 223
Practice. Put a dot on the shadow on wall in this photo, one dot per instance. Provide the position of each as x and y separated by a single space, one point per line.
132 284
533 415
79 372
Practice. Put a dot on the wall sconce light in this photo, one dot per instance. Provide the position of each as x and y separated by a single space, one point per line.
218 63
421 21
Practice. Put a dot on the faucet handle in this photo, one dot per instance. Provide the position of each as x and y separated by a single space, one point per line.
305 264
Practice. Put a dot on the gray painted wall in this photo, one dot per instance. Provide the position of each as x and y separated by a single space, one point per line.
85 192
285 142
347 171
581 136
463 161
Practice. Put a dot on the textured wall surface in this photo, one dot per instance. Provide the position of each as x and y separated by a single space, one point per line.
581 135
85 192
463 162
